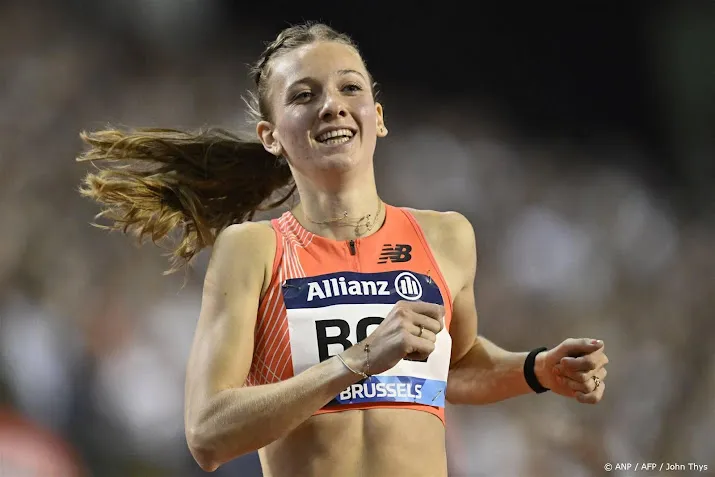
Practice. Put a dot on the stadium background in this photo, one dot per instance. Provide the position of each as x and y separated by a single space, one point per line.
578 138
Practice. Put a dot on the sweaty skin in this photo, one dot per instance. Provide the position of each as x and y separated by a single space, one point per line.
375 442
372 442
314 87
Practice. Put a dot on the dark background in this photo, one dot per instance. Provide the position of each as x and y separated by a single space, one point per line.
577 138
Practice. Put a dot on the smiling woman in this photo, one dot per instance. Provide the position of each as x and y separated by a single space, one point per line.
326 80
329 338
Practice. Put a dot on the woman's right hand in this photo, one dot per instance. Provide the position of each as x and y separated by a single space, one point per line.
409 331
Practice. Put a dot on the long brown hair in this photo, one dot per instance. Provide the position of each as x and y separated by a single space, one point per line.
154 182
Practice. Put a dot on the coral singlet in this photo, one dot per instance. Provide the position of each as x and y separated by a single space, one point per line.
326 295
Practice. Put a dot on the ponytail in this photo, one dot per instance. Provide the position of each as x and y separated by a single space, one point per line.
158 181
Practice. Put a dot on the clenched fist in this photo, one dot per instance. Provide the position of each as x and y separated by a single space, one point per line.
575 368
409 331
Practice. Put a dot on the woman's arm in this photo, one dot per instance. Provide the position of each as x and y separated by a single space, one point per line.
223 419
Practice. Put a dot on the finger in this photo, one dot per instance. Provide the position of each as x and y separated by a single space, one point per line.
429 324
584 364
591 362
432 310
420 349
426 334
580 383
585 383
580 387
581 346
591 398
583 377
417 356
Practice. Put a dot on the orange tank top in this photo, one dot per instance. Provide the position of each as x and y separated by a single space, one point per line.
326 295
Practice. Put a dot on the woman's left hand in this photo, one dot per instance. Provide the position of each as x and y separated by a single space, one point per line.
576 368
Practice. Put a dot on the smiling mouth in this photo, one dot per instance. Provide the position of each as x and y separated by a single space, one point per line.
332 138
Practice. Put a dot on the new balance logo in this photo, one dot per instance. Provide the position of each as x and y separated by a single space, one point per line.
398 253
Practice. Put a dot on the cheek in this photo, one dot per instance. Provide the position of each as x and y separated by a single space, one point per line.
292 130
368 117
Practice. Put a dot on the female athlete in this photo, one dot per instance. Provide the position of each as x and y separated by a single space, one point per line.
330 338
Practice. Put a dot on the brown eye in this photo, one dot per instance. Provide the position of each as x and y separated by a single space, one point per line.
303 96
352 88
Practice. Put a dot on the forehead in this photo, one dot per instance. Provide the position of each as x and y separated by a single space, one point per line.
317 60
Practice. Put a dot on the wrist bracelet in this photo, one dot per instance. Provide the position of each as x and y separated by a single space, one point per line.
351 369
529 373
366 374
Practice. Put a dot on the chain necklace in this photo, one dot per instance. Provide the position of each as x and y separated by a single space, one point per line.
363 221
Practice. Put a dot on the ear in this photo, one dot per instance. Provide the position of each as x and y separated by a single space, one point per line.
381 129
267 134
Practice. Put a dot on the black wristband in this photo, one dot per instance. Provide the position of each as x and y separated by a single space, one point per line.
529 374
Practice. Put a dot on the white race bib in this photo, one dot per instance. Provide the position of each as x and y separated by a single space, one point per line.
329 313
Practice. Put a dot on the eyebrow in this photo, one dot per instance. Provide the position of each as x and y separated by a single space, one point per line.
340 72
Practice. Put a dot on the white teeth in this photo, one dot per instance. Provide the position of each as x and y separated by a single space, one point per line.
337 133
336 140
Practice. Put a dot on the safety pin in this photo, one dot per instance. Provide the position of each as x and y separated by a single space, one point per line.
435 396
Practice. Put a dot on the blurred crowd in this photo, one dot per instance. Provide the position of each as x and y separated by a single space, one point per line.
94 340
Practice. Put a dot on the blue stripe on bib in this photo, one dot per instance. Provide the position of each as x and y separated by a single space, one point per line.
408 389
360 288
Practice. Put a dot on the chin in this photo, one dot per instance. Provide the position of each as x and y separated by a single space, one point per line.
337 162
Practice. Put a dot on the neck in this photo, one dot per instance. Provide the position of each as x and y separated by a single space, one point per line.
324 212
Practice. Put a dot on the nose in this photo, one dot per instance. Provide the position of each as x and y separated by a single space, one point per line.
333 107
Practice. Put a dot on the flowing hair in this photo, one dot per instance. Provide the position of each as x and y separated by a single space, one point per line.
156 182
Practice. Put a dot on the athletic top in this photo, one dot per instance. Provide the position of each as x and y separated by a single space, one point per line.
326 295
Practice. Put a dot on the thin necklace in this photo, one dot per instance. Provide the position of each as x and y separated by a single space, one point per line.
363 221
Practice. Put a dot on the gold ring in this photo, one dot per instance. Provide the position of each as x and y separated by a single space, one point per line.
422 328
596 380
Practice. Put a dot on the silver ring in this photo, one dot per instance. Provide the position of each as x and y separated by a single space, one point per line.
422 328
596 380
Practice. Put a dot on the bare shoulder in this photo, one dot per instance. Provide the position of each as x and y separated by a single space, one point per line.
245 237
240 250
450 232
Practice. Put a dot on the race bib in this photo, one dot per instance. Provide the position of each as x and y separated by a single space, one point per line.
330 313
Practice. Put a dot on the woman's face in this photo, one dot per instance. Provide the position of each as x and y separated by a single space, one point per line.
323 110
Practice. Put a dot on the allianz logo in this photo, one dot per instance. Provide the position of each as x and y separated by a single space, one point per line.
406 285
